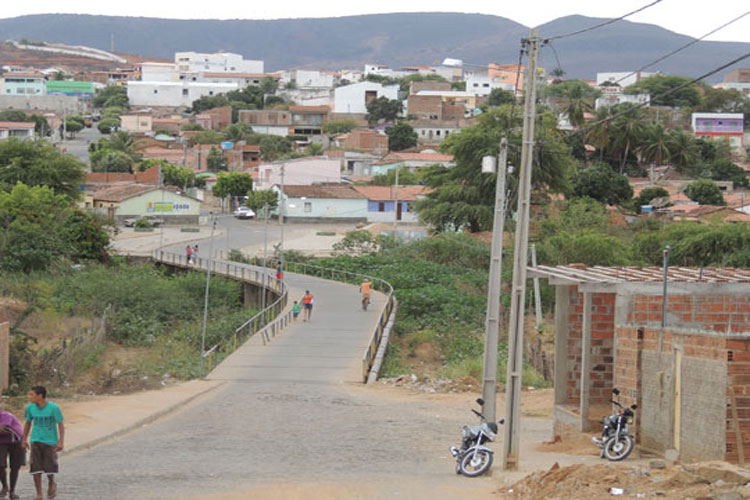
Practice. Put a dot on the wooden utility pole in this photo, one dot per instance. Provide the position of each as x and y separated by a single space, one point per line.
512 426
492 322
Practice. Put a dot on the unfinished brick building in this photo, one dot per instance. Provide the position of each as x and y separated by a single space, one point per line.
686 366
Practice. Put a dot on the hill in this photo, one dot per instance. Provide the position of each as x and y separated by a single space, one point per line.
394 39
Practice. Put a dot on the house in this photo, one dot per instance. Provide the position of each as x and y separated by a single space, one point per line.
215 118
219 62
241 157
353 163
507 74
482 84
434 131
381 201
737 79
610 98
353 99
157 72
173 93
416 87
242 80
99 180
621 79
309 79
24 84
137 123
727 127
469 100
297 120
323 203
172 125
70 88
301 171
434 107
140 200
681 357
412 161
364 139
17 130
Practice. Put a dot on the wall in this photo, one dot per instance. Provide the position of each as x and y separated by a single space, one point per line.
173 93
148 204
351 98
327 208
602 342
53 103
302 172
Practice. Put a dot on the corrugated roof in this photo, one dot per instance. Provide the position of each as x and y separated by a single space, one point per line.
7 125
341 192
629 274
70 86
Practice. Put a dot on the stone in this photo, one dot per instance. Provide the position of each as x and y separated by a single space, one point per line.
657 464
720 471
115 373
672 455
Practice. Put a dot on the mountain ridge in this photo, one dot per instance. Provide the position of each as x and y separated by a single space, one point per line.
399 39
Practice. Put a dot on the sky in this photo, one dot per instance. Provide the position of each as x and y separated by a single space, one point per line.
689 17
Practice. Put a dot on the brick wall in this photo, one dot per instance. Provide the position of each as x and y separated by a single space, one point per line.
738 381
602 338
719 313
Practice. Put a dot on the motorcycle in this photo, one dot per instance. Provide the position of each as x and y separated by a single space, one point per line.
474 458
616 442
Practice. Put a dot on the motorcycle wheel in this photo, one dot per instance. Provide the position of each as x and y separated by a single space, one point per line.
476 464
618 450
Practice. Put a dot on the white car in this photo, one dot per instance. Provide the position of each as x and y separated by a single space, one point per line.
244 213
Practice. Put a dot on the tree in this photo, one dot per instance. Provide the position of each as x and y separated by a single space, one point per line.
401 136
725 170
269 84
175 175
237 132
685 151
405 177
113 91
647 195
209 102
628 130
338 127
108 125
724 101
84 236
704 192
314 149
383 109
109 160
567 88
357 242
191 127
232 184
603 184
659 84
38 163
73 125
463 196
272 147
655 145
256 200
206 137
215 161
499 97
13 115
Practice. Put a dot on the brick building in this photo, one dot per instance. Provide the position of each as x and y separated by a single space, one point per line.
434 107
690 377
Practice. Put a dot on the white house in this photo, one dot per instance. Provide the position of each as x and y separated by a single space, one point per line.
381 201
158 72
18 130
434 131
308 79
323 203
220 62
612 99
173 94
623 78
354 98
300 172
242 80
482 84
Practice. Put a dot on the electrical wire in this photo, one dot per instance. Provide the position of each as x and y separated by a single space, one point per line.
606 23
680 49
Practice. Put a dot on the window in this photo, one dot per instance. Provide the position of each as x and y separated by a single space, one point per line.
485 85
437 132
210 92
185 92
156 91
308 206
476 85
381 207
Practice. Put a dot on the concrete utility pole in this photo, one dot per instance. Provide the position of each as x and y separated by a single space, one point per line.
512 428
395 206
208 281
282 214
492 322
265 257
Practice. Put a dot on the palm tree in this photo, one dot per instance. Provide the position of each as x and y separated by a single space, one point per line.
655 146
575 104
628 131
601 135
685 150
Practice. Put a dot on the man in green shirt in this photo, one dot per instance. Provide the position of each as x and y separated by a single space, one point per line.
47 438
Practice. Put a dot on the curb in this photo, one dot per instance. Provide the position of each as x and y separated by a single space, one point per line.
144 421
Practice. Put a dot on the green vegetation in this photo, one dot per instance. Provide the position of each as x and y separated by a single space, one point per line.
256 200
383 109
704 192
164 316
401 136
232 184
659 84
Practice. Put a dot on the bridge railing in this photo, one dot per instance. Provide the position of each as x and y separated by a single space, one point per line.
268 322
371 352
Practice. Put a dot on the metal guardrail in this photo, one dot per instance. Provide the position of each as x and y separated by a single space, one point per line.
268 322
379 284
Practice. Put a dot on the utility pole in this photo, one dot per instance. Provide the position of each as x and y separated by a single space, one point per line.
492 322
265 256
282 213
395 206
208 281
512 428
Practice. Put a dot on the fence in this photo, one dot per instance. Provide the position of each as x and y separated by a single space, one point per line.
268 322
370 354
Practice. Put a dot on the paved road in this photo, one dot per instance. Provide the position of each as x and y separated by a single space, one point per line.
78 147
284 415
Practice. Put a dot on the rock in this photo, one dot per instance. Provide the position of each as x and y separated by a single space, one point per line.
727 495
413 378
115 373
712 472
657 464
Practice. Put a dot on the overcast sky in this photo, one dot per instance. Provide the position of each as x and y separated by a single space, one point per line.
690 17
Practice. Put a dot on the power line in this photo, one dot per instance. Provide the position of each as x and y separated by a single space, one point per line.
606 23
680 49
557 58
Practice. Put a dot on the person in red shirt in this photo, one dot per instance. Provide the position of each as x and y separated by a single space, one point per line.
307 302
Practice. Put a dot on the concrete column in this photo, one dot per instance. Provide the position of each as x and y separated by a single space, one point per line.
4 356
562 321
585 361
250 295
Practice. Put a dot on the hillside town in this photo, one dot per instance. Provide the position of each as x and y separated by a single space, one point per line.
202 228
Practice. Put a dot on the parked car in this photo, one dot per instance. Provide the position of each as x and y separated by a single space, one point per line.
244 213
153 219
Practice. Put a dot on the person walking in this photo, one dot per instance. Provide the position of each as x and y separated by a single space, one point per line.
189 252
11 452
295 310
195 254
307 301
279 272
45 421
365 289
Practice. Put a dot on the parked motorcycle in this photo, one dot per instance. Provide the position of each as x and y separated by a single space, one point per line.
474 458
616 442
